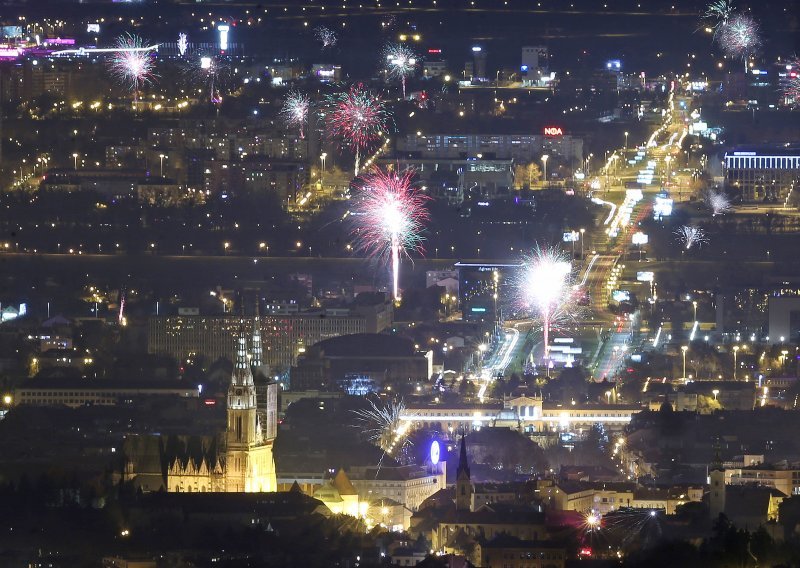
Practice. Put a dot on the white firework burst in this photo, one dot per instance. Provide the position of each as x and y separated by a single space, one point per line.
718 202
295 110
325 36
384 426
689 236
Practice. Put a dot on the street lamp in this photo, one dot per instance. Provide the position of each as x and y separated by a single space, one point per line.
668 159
626 141
582 232
735 353
684 349
694 306
715 392
161 157
75 158
544 162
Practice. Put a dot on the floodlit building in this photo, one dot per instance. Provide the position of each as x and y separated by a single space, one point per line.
763 173
240 460
285 336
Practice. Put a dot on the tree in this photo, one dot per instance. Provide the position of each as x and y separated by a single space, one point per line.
526 174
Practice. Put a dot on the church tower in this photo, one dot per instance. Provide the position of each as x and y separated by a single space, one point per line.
464 487
257 361
242 419
716 495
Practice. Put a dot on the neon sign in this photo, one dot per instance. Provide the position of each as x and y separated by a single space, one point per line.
553 131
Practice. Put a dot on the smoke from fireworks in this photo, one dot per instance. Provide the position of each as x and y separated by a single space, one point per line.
718 11
739 37
400 61
295 110
388 218
690 236
717 201
132 65
790 84
207 71
358 117
325 36
383 425
545 288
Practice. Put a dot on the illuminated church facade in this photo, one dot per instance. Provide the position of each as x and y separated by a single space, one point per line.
240 460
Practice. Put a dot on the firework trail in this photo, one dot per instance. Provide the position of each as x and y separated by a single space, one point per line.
717 201
358 117
739 37
207 71
690 236
401 62
132 65
384 426
718 11
325 36
790 84
183 44
388 218
546 290
295 110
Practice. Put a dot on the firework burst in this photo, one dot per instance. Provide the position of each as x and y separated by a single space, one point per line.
207 71
325 36
388 218
401 62
295 110
183 44
132 64
739 37
358 117
384 425
717 201
545 289
718 11
689 236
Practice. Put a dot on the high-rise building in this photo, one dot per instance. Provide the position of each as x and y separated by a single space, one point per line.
535 63
284 336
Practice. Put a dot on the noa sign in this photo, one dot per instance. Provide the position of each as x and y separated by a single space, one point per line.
553 131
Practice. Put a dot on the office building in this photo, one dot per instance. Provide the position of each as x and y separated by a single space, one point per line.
285 336
522 148
765 173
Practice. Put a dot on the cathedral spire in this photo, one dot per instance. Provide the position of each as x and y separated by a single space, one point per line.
463 463
258 347
464 489
242 375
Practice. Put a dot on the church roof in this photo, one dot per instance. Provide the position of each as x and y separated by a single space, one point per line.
342 484
366 344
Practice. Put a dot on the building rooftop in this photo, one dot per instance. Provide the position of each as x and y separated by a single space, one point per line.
366 345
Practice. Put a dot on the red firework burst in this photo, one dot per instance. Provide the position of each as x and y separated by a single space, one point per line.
389 216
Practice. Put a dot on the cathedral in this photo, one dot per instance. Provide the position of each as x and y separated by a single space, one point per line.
238 460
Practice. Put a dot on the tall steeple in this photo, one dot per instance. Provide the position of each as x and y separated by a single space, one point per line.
258 346
464 487
242 375
463 463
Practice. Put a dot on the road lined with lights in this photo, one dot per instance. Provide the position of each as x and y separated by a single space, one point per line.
499 360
